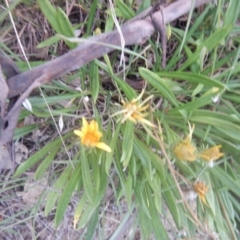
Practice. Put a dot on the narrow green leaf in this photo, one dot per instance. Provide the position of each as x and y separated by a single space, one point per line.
210 194
142 200
147 157
157 82
196 103
127 145
129 190
121 225
94 163
113 145
91 17
80 208
109 25
66 27
129 92
36 157
171 202
226 180
48 42
126 11
57 190
194 78
6 12
232 13
67 194
103 185
50 13
86 175
94 81
22 131
108 62
92 225
86 215
46 163
119 169
157 226
209 43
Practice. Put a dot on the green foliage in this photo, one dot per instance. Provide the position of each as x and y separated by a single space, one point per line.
58 20
199 86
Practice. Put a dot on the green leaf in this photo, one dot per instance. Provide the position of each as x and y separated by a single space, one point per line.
171 202
57 190
129 92
80 207
36 157
22 131
232 13
50 41
147 157
209 43
94 81
58 20
65 26
129 191
210 194
92 225
6 12
67 194
46 163
113 145
109 25
127 145
86 216
226 180
157 225
126 11
194 78
91 17
142 200
157 82
86 177
50 13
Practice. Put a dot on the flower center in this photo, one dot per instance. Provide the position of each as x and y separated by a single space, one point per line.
91 139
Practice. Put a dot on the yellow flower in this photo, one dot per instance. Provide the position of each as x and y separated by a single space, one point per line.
184 150
135 111
212 153
90 135
201 189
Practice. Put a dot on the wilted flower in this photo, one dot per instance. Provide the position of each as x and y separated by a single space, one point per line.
201 189
185 150
90 135
135 111
212 153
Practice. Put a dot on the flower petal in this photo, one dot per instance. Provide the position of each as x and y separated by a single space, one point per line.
98 134
212 153
93 126
79 133
84 122
185 152
103 146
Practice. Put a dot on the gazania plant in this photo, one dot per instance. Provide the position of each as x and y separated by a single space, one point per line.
136 142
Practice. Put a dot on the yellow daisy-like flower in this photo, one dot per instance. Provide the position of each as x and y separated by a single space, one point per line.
184 150
212 153
90 135
135 111
201 189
